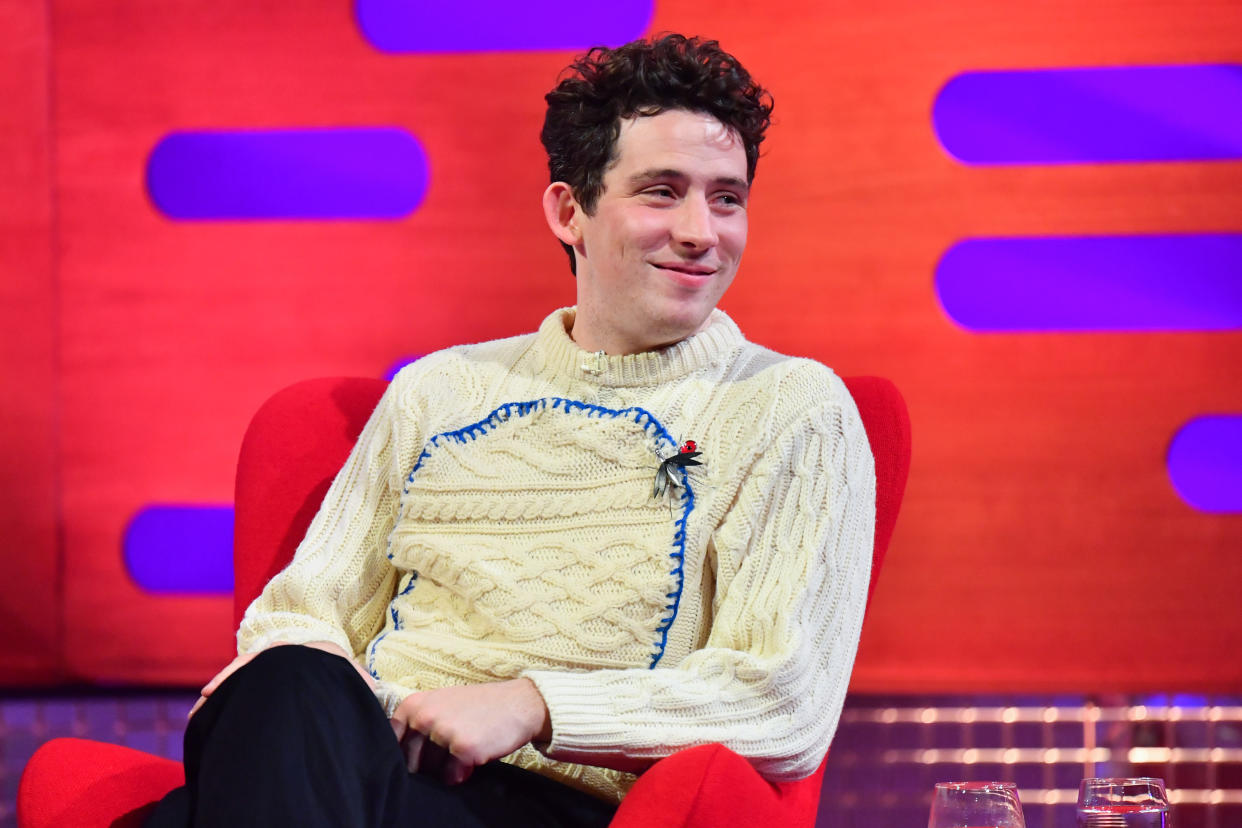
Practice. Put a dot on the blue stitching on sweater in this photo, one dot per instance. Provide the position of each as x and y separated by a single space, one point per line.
679 543
371 655
642 418
396 623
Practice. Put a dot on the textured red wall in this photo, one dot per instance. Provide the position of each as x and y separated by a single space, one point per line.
1040 537
29 584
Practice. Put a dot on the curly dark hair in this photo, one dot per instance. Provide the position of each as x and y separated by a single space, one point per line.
606 86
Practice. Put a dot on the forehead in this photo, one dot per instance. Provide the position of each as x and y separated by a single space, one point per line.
677 139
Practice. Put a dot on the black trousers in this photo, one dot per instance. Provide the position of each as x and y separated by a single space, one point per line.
295 737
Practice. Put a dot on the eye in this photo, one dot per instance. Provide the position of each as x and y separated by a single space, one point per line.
730 200
661 192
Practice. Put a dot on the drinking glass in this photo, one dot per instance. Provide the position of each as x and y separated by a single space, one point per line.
976 805
1123 803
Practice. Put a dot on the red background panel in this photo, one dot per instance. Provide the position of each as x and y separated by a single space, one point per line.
29 586
1041 545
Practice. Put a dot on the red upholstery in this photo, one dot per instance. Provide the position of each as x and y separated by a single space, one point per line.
294 446
296 443
76 783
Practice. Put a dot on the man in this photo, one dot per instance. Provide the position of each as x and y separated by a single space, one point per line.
579 550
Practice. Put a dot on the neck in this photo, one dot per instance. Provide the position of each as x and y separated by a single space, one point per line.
590 337
563 352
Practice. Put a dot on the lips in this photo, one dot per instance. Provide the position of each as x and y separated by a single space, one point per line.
689 270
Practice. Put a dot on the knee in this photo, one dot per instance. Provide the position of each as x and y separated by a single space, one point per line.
292 669
296 659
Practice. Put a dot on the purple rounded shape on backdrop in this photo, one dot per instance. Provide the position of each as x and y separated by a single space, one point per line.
1094 283
1205 463
181 549
399 364
1059 116
499 25
346 173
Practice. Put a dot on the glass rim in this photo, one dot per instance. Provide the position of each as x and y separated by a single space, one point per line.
978 786
1123 780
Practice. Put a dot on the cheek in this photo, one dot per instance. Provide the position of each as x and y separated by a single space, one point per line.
646 231
734 237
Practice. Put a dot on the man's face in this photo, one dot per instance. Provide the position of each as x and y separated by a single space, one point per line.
666 236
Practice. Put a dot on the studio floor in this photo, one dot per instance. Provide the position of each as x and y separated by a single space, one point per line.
887 755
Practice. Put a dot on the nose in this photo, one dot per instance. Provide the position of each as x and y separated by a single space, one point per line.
695 227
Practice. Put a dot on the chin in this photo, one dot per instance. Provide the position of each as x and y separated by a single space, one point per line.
684 326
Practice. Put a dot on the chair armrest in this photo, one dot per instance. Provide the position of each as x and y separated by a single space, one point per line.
710 786
92 785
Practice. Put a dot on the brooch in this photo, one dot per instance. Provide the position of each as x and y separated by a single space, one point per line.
684 457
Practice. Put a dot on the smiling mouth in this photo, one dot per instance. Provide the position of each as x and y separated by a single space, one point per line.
689 270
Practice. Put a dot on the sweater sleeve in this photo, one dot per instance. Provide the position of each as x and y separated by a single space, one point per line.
340 580
793 563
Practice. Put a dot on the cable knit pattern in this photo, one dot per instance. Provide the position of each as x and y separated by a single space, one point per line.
496 519
596 578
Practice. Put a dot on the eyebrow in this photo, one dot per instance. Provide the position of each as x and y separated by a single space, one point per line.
647 176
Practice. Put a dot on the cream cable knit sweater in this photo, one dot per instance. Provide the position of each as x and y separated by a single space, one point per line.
497 519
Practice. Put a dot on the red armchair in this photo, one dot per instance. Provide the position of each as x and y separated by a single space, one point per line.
293 448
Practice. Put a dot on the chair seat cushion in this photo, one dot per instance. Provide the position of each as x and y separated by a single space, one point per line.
711 785
85 784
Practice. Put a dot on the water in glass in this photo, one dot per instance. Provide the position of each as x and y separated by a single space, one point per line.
1123 803
1123 816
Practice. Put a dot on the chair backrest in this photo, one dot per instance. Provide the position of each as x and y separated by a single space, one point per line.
296 443
300 438
887 421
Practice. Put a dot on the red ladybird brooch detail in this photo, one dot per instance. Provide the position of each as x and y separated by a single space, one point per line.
684 457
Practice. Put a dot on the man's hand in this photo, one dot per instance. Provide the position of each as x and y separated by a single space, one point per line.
243 659
453 730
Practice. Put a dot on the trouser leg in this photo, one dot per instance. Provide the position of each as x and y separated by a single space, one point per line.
499 794
295 737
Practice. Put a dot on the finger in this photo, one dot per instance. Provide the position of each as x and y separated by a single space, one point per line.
219 678
201 701
456 771
414 745
210 686
225 673
398 727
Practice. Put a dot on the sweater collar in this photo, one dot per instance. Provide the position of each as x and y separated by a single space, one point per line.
708 347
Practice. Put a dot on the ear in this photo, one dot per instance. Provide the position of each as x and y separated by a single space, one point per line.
562 212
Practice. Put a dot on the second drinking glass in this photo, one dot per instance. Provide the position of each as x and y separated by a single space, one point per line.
975 805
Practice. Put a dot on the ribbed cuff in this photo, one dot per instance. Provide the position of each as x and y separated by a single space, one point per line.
390 695
588 723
